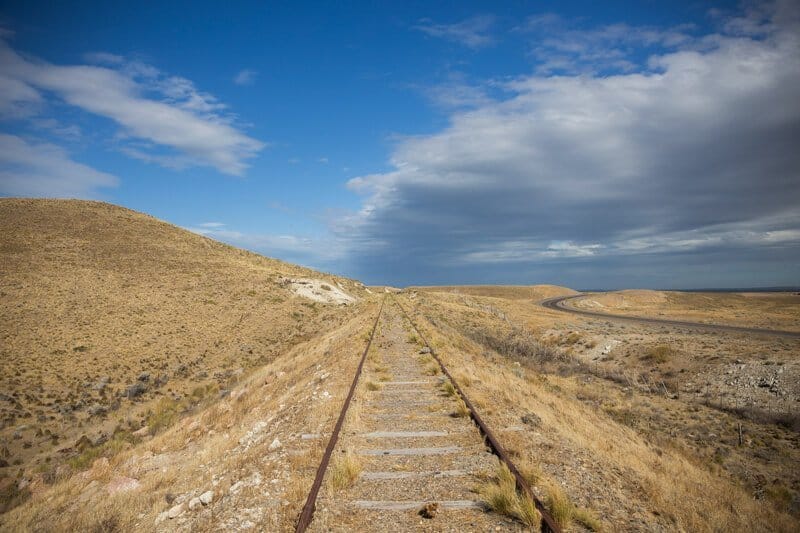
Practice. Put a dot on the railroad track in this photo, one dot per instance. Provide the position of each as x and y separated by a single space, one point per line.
397 426
561 304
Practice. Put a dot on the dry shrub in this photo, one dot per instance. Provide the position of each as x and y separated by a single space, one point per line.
517 343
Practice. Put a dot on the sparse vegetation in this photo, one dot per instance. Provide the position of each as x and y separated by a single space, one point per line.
501 496
564 512
517 343
344 470
659 354
461 410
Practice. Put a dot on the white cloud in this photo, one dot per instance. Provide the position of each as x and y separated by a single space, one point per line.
474 32
167 111
559 46
695 151
316 252
43 169
245 77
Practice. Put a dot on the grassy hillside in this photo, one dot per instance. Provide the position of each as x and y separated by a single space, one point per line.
113 322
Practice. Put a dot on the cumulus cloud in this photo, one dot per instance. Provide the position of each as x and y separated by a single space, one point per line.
474 32
695 152
44 169
150 107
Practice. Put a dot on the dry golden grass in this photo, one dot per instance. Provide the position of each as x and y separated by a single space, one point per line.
98 299
501 496
461 410
205 450
343 470
640 469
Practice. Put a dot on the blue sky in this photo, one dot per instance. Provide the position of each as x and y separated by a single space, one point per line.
649 144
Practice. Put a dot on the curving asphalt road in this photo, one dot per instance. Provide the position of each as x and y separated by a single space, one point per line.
559 304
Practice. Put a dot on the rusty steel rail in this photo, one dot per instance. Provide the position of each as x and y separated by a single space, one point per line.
548 524
307 514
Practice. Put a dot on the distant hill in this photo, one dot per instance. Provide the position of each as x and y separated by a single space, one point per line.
510 292
104 311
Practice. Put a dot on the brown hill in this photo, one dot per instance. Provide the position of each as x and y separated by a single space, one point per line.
112 320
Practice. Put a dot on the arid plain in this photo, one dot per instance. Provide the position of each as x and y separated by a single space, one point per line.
154 379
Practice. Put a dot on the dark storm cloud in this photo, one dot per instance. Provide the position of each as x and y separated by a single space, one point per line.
694 160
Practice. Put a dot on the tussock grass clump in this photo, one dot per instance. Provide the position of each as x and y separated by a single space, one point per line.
449 389
344 471
373 386
659 354
564 512
501 496
432 370
461 409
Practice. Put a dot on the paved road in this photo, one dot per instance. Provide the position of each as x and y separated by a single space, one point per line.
560 304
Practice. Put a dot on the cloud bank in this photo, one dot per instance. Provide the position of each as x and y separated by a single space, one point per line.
693 155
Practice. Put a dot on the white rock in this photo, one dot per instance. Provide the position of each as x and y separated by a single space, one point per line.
162 516
176 511
236 487
207 497
275 445
194 503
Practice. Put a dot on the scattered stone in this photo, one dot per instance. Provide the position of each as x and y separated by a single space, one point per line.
176 511
144 376
236 487
161 517
83 443
194 503
122 484
276 444
207 497
135 390
425 349
143 431
531 419
101 385
96 410
430 510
